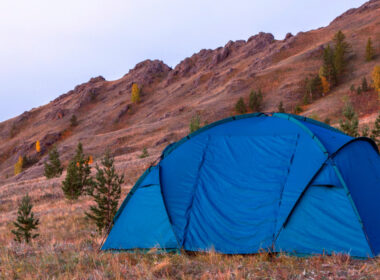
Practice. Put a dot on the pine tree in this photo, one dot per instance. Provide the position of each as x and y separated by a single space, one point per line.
26 223
78 175
281 108
341 49
369 50
328 67
135 94
240 106
351 122
255 101
73 121
195 123
53 168
106 193
375 133
364 85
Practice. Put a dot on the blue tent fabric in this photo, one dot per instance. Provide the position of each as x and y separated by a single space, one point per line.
257 182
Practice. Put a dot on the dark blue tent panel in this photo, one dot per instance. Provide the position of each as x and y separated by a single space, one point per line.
257 182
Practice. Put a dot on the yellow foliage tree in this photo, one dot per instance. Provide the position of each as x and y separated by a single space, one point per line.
376 78
18 165
135 93
90 160
325 85
38 146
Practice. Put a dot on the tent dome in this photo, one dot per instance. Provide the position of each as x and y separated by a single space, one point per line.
280 182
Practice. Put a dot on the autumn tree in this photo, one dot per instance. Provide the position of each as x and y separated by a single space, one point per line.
135 95
351 122
38 146
53 167
375 133
240 107
78 175
325 85
106 192
18 166
341 49
26 223
369 50
255 100
376 78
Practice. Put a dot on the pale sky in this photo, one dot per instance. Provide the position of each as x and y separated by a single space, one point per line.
47 47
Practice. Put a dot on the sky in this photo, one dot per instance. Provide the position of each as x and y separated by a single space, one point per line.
47 47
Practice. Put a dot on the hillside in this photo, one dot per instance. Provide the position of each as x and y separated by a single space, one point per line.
209 82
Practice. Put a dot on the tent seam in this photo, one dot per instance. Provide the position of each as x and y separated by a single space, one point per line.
195 190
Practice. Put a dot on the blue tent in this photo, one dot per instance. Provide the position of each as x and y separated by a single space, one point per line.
281 183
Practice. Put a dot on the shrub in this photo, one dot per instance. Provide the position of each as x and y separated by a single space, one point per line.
53 168
26 223
73 121
365 131
28 161
327 121
144 153
352 88
281 108
195 123
240 106
359 90
365 87
106 192
298 109
255 101
375 133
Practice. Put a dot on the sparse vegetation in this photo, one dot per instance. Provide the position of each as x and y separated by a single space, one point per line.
28 161
144 153
106 193
350 123
53 168
26 223
135 94
375 133
78 175
195 123
255 100
240 107
298 109
281 108
365 87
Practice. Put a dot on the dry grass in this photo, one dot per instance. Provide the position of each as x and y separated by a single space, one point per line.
68 249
